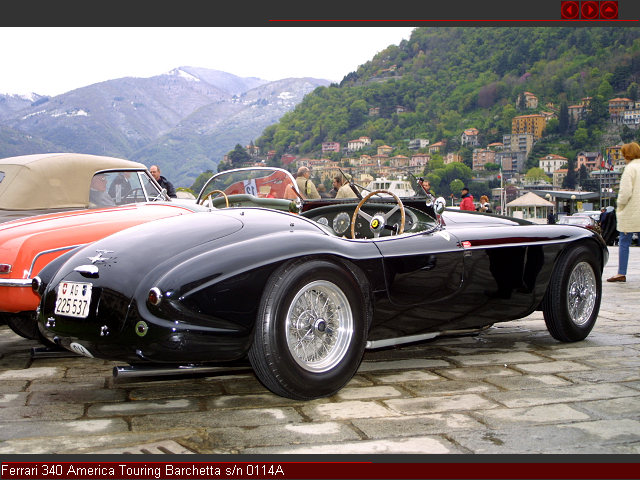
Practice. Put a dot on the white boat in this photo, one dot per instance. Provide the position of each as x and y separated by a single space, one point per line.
402 188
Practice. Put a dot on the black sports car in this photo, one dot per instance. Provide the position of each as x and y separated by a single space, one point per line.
303 295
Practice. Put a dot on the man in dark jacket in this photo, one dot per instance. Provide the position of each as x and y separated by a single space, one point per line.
609 226
163 182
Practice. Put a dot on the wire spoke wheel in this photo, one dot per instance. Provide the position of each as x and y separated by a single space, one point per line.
572 301
313 321
581 293
319 326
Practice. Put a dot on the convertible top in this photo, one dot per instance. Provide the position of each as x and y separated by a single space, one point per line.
53 179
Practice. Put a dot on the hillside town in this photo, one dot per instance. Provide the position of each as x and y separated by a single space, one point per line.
504 161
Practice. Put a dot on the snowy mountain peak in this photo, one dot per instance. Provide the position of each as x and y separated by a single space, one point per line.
178 72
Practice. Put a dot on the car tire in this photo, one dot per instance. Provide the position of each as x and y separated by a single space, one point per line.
311 328
26 325
572 301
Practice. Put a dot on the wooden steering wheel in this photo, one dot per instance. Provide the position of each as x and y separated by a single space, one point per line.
208 196
378 222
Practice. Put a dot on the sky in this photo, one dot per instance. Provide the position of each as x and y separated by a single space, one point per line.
55 60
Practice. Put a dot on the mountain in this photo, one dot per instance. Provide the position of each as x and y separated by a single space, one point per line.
214 129
228 82
184 120
9 104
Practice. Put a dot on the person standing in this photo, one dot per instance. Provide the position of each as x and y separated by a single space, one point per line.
322 191
467 200
603 215
98 195
154 170
306 186
346 191
628 207
484 206
426 186
609 226
337 183
121 187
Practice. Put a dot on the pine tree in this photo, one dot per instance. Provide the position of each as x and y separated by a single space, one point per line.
563 117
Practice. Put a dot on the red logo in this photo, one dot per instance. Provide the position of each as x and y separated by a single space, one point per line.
609 10
569 10
590 10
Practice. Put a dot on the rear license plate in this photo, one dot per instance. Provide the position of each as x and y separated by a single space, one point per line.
73 299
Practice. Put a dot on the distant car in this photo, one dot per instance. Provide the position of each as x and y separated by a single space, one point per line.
580 220
595 214
53 182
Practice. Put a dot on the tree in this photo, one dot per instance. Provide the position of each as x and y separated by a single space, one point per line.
447 174
580 138
583 175
553 127
455 186
201 180
536 174
605 90
563 117
597 111
570 180
238 155
357 113
467 156
632 91
627 134
508 112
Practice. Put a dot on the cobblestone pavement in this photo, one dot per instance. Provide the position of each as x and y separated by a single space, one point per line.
510 389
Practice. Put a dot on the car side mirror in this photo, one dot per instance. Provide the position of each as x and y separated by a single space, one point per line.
439 205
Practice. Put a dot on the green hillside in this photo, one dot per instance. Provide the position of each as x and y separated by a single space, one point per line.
451 79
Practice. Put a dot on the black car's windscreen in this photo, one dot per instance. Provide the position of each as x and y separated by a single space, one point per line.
261 183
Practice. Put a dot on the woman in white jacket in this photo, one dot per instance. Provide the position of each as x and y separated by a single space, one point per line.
628 207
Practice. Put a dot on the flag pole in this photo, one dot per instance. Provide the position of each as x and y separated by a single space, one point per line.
601 166
502 194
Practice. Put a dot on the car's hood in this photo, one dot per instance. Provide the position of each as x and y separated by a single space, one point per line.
21 240
453 218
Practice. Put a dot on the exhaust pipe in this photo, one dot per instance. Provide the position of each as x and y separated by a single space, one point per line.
157 371
51 352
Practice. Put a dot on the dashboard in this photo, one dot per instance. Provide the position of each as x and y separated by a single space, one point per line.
337 219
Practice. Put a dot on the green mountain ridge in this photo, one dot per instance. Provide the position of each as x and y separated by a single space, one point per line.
449 79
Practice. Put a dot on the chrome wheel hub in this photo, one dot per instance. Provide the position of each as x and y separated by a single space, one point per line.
581 293
319 326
